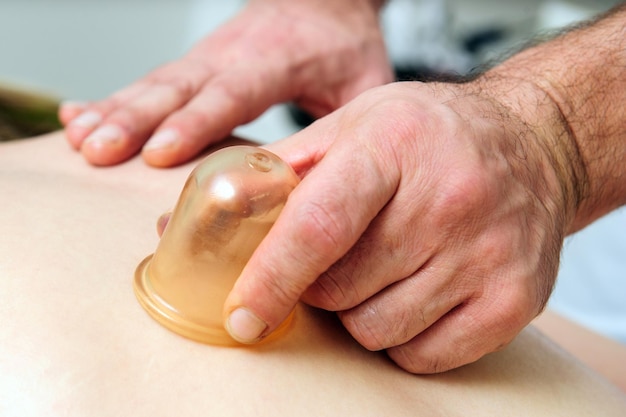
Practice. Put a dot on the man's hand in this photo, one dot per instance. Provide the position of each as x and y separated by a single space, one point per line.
320 54
429 216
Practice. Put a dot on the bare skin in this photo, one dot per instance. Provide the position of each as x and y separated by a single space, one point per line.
429 217
75 342
318 53
597 351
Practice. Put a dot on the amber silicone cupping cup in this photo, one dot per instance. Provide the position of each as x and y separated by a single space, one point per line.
228 204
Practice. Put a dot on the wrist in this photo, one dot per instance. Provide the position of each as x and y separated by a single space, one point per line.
580 75
543 141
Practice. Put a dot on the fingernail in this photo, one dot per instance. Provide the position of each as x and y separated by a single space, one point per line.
163 139
162 222
104 135
74 103
88 119
244 326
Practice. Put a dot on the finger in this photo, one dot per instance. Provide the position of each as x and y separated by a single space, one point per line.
224 103
322 219
302 151
70 109
162 222
136 111
92 115
398 313
124 131
470 331
382 256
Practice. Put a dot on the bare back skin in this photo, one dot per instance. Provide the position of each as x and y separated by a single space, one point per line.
75 342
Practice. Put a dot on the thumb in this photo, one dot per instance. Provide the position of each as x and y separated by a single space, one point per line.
304 242
322 219
269 287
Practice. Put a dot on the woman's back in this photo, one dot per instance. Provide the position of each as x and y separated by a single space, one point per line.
74 341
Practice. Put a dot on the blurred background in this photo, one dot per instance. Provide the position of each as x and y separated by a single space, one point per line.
87 49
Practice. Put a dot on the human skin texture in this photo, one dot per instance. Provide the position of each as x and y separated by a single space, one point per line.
431 217
599 352
74 341
317 53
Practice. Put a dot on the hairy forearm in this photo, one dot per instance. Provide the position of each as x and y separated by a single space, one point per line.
577 85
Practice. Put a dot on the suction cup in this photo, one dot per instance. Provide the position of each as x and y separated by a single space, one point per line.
227 206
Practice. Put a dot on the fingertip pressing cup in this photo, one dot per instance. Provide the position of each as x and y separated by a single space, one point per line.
227 206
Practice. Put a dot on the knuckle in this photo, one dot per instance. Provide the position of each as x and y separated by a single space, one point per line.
487 330
235 97
328 293
365 326
338 288
324 224
413 360
191 120
229 89
282 293
385 321
185 77
509 308
118 99
429 355
129 118
182 88
461 195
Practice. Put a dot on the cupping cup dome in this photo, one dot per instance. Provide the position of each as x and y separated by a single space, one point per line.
227 206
